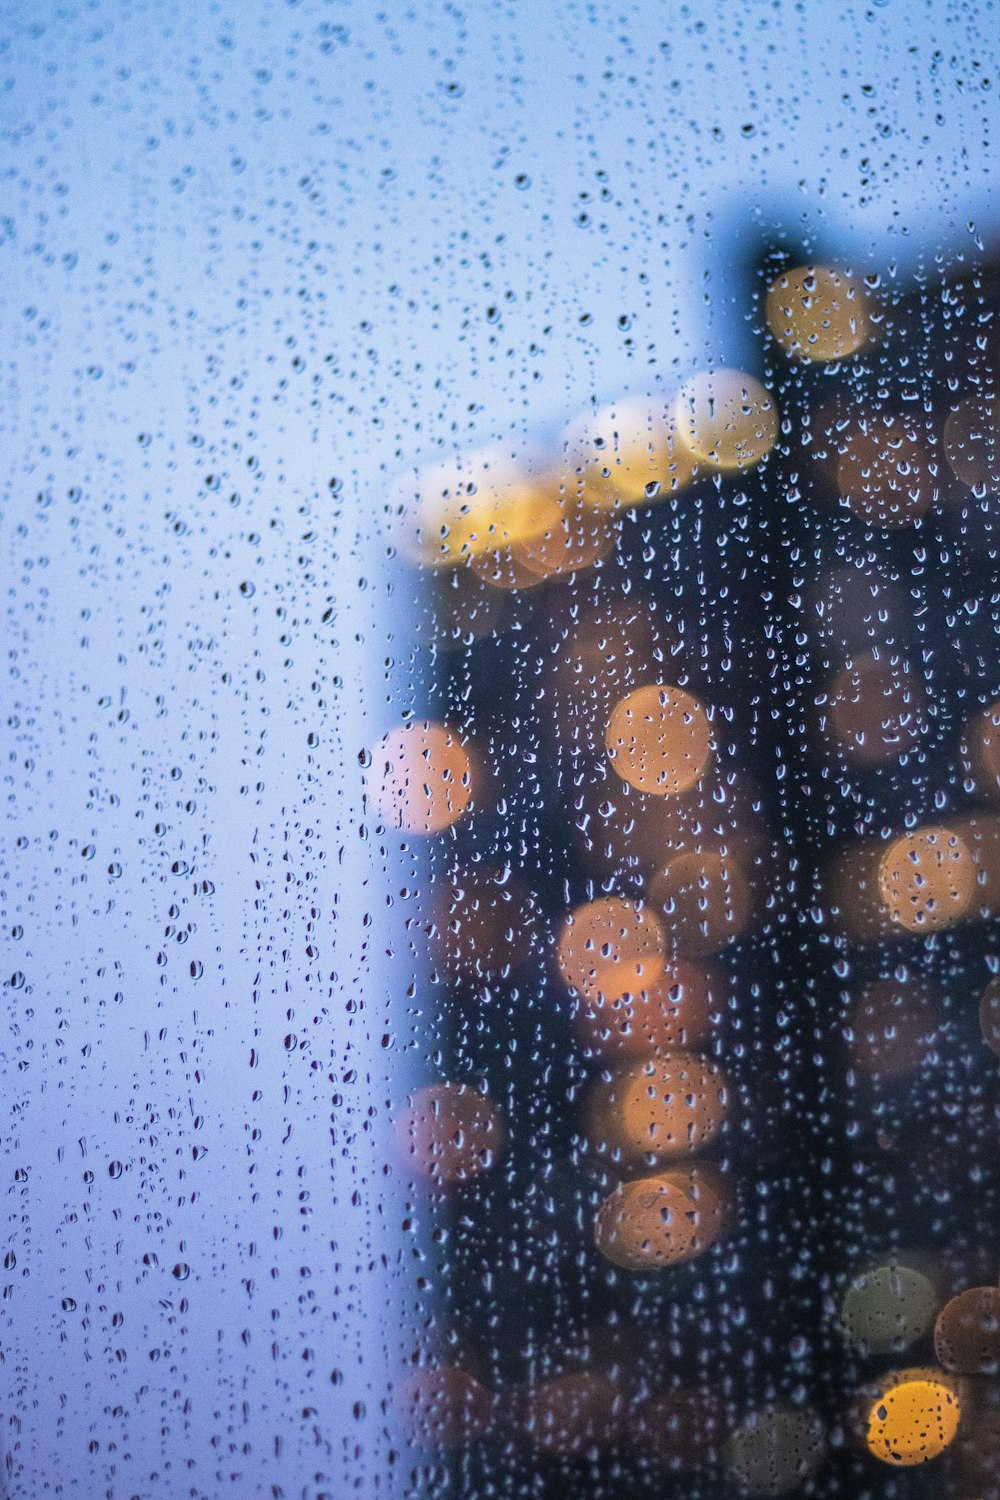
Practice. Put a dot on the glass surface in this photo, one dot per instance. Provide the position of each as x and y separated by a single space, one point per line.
502 818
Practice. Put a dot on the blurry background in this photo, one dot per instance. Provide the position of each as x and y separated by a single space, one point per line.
258 267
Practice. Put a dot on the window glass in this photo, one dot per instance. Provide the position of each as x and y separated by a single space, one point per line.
502 751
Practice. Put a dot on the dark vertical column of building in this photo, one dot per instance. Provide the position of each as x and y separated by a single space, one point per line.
840 1159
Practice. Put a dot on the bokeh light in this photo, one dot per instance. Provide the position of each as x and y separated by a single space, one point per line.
727 419
573 538
609 948
704 900
972 442
877 708
423 776
818 313
617 827
912 1417
653 1222
927 879
450 1133
578 540
465 610
627 454
982 745
967 1332
659 740
977 1447
892 1027
442 1408
681 1430
884 471
989 1015
774 1452
483 925
459 511
504 571
664 1108
564 1416
675 1011
888 1307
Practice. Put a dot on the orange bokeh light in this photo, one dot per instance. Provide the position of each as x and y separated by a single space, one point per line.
972 442
704 900
894 1027
659 740
967 1332
884 472
653 1222
982 745
663 1107
609 948
674 1011
482 928
927 879
877 709
442 1408
681 1430
989 1015
423 777
450 1133
566 1415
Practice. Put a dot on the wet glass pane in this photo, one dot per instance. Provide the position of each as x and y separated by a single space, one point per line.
502 752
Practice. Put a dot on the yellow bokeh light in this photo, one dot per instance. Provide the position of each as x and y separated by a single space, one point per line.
913 1417
927 879
662 1108
578 540
626 454
609 948
659 740
653 1222
818 313
450 1133
459 511
423 777
504 571
727 419
574 538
